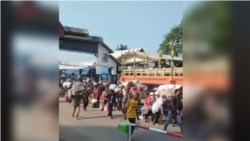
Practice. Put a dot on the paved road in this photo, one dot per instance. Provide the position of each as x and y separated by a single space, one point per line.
96 126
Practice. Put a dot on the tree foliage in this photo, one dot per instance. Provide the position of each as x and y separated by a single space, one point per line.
175 34
211 20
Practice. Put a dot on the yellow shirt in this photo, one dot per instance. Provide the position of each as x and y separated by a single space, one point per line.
132 106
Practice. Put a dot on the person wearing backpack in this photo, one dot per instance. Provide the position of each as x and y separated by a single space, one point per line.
173 106
76 104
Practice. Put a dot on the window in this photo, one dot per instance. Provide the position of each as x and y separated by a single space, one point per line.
104 57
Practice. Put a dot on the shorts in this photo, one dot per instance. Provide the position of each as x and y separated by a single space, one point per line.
75 105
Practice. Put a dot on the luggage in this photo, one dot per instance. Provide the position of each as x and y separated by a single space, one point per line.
112 87
79 91
123 127
117 89
135 81
130 84
94 105
94 101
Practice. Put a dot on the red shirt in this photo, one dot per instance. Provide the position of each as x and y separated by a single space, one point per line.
96 93
147 100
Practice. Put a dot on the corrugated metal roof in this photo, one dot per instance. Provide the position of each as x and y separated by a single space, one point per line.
117 54
76 30
168 57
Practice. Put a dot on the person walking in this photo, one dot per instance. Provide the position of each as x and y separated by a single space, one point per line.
157 109
76 104
111 103
119 99
131 110
173 105
125 97
96 95
85 99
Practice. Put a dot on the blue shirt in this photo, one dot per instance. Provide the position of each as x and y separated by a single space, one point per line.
111 100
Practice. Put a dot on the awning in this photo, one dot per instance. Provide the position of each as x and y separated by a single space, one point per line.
105 72
69 72
85 71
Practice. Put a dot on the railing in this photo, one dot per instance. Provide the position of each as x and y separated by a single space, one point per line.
153 72
150 129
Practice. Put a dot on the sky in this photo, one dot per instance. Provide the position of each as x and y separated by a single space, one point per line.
135 24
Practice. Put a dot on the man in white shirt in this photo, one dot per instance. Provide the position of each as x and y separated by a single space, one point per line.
157 94
157 109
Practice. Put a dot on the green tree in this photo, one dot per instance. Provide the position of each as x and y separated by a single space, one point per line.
175 34
211 20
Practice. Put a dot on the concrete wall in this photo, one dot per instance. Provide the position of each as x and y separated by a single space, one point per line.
108 64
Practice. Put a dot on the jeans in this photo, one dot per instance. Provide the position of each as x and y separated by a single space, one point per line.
177 118
119 105
110 108
132 120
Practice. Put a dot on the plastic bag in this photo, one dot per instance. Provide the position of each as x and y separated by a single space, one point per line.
94 101
112 86
116 89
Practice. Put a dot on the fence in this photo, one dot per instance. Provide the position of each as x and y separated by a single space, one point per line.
153 72
152 129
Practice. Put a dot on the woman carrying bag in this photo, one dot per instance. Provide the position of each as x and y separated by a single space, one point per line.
131 110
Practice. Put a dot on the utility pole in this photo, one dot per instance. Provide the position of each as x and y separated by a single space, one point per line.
172 56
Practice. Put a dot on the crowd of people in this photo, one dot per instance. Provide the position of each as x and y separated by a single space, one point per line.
127 100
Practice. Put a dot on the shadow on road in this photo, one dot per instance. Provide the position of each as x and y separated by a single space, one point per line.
105 133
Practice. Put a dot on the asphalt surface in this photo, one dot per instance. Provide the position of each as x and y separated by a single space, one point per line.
94 125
